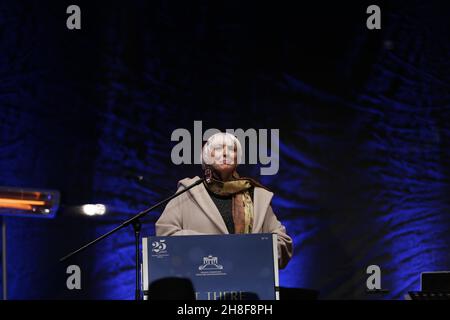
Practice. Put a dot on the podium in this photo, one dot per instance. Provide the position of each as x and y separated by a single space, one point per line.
213 267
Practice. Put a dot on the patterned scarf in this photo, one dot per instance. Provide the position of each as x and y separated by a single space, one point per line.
242 204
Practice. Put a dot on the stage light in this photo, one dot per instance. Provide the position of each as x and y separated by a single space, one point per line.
28 202
93 209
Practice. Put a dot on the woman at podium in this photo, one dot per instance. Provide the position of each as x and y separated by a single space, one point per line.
225 203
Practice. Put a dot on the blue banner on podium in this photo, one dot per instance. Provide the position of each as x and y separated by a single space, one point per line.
220 267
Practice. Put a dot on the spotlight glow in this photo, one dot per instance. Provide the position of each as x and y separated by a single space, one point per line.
93 209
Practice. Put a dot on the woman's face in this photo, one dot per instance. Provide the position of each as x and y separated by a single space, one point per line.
225 159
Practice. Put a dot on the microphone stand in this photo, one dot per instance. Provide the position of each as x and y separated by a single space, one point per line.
136 223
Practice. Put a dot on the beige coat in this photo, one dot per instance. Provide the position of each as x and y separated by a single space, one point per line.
194 213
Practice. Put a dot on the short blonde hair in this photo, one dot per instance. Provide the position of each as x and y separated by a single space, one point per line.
220 139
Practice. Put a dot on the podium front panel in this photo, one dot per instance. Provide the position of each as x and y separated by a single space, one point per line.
220 267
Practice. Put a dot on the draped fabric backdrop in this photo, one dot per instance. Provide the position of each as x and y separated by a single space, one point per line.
363 115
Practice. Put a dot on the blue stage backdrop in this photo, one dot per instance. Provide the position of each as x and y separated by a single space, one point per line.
364 120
